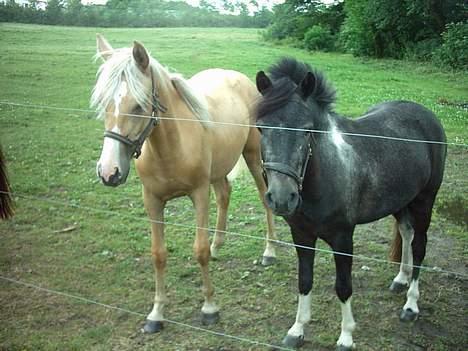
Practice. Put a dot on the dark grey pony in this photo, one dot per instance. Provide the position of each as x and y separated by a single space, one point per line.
324 183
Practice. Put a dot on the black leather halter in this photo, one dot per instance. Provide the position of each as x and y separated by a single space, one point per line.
288 170
136 145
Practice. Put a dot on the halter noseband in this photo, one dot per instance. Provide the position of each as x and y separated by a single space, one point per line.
136 145
288 170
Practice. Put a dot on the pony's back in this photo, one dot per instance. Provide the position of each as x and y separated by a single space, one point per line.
6 206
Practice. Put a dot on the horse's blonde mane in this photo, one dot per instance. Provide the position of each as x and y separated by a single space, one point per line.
121 64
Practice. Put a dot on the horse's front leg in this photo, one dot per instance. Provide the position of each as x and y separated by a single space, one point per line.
201 248
343 243
295 336
155 209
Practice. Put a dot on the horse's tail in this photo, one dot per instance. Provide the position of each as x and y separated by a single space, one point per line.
395 249
6 203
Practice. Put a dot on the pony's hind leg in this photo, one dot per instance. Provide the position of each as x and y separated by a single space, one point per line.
201 248
402 252
222 190
252 158
155 209
421 211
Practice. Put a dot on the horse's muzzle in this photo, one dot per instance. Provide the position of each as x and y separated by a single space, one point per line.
113 179
284 204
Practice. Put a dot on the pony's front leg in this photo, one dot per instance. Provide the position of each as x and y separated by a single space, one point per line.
343 244
295 336
155 209
201 248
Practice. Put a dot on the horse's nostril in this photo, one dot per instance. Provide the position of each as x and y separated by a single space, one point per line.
269 198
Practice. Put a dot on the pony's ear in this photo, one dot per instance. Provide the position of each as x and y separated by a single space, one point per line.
308 84
104 49
140 55
263 82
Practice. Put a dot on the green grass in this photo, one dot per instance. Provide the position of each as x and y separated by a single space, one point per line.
51 157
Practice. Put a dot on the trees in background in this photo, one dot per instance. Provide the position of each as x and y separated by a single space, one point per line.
419 29
139 13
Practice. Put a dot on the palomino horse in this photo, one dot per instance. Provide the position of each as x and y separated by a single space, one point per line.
6 206
178 157
325 183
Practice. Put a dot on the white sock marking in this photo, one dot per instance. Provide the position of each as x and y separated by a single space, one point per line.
412 297
302 316
347 325
209 308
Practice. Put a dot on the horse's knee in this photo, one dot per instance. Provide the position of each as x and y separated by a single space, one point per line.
202 254
305 284
159 258
343 291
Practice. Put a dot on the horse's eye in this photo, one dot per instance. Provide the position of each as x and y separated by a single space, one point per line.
138 110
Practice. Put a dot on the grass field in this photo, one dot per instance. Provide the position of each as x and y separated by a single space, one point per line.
73 235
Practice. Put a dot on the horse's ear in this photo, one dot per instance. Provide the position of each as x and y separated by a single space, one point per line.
140 55
263 82
308 84
104 49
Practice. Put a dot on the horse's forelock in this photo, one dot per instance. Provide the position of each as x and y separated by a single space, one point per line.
109 78
324 93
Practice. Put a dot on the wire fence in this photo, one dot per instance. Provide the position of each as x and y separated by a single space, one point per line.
192 120
192 227
139 314
230 233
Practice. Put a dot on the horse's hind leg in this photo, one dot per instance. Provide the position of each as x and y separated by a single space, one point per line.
222 190
252 158
419 215
406 232
421 211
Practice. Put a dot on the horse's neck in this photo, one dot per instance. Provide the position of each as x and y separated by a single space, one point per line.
169 135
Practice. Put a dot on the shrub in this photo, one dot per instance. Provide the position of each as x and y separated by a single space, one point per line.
454 49
318 38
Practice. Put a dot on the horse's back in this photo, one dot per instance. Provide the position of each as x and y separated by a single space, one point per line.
405 119
230 96
395 172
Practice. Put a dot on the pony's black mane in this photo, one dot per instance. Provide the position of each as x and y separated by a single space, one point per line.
286 75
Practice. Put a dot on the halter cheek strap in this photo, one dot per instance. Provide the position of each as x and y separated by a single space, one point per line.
136 145
288 170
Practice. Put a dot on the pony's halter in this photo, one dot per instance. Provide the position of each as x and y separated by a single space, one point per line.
288 170
136 145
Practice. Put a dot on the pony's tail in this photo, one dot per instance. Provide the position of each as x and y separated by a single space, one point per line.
395 249
6 202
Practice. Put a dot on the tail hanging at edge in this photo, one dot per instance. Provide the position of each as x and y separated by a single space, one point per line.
6 202
395 249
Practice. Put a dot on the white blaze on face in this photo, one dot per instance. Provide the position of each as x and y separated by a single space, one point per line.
119 96
109 161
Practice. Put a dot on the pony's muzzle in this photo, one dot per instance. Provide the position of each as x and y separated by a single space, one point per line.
283 203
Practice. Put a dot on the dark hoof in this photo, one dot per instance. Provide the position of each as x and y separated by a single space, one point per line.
293 341
268 260
408 316
210 318
343 348
398 288
152 327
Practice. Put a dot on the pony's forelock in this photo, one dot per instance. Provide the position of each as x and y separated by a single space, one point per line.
286 75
